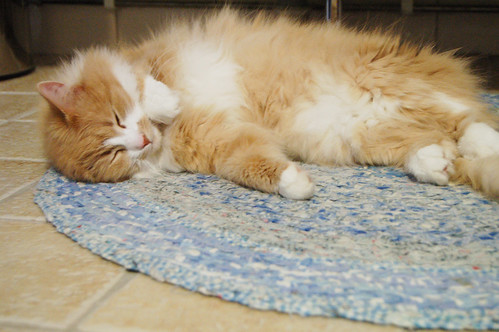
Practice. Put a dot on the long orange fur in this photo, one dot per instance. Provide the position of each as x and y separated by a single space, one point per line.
284 67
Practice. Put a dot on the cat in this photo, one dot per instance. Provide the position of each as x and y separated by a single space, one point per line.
245 98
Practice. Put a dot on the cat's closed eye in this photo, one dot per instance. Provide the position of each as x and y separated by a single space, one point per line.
118 121
116 153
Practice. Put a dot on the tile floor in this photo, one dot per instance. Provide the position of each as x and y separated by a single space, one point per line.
49 283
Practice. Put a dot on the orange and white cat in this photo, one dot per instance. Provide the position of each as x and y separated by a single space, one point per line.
244 98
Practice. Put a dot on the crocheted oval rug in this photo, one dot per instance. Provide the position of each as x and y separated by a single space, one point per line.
371 245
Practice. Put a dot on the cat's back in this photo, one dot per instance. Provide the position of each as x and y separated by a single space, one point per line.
249 39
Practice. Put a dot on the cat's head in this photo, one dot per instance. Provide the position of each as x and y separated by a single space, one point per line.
95 125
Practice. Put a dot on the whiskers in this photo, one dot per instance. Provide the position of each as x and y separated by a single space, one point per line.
146 169
158 65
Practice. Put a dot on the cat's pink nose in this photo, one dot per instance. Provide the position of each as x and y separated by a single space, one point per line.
145 141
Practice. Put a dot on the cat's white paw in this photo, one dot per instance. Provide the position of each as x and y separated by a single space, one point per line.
159 103
295 183
479 141
432 164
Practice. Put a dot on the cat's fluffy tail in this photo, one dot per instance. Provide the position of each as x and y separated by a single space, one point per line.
482 174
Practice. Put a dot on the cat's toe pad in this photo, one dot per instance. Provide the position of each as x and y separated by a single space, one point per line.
432 164
295 183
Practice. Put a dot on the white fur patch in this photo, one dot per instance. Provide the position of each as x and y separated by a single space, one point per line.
164 161
209 77
324 126
133 116
126 77
295 183
479 141
130 137
450 103
153 168
159 103
130 140
431 164
71 72
328 124
167 160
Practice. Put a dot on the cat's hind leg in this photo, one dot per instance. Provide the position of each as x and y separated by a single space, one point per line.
479 165
433 155
479 140
426 153
473 160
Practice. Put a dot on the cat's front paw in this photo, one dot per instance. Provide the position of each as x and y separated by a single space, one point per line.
295 183
432 164
160 103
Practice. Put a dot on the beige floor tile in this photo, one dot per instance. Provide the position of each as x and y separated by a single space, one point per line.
22 328
21 139
14 106
46 278
147 305
16 173
21 205
28 82
32 115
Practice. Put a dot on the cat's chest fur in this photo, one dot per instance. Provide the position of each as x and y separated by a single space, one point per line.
325 129
209 78
316 126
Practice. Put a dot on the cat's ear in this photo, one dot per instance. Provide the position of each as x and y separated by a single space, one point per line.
59 95
160 103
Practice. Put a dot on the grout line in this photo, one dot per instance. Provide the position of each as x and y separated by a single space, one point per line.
18 189
34 160
10 217
22 324
18 93
26 114
94 303
19 119
21 116
22 218
22 120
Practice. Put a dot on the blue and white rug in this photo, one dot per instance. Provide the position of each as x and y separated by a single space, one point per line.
371 245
